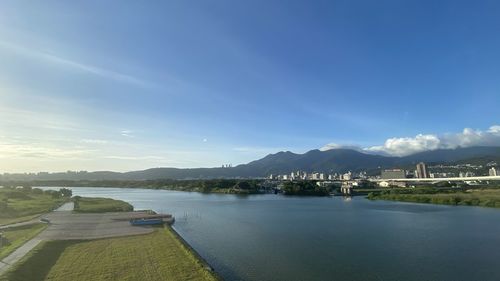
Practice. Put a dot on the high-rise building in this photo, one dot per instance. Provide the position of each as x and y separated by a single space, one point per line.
422 171
493 172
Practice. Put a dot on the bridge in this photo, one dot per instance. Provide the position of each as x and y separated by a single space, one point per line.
479 178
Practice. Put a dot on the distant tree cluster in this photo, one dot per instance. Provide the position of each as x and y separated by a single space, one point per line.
304 188
24 192
237 186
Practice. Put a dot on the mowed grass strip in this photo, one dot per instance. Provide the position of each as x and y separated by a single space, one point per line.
13 238
100 205
156 256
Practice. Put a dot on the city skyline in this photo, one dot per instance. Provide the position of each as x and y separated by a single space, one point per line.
182 85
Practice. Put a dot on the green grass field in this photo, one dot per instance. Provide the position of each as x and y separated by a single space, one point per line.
474 197
100 205
156 256
13 238
18 206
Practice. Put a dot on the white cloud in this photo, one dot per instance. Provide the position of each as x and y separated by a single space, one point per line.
424 142
406 146
127 133
337 146
494 129
471 137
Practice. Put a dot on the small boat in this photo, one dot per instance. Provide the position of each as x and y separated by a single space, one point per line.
146 221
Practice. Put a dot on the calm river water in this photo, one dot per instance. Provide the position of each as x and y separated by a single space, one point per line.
272 237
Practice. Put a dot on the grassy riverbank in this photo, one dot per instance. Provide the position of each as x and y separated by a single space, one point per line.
13 238
23 204
471 197
156 256
100 205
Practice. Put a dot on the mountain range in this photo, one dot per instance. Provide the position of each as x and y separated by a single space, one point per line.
330 161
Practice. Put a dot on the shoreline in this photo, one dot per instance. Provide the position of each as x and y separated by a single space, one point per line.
189 248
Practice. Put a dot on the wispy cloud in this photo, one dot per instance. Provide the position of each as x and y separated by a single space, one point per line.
94 141
127 133
118 157
10 150
36 119
401 146
73 64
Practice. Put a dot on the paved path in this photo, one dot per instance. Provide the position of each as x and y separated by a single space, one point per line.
66 225
18 254
70 206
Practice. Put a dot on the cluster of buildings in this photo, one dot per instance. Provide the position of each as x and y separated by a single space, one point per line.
420 173
387 178
302 175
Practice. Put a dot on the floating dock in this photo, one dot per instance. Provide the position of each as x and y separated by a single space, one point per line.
142 218
146 221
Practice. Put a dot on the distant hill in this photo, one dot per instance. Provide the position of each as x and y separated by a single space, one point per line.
330 161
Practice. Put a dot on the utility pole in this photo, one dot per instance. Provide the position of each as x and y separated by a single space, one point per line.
1 240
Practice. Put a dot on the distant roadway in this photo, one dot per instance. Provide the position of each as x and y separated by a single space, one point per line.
480 178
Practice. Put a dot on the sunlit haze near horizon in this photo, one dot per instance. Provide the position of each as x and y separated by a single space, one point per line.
129 85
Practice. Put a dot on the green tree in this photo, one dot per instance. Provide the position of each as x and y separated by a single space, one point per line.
66 192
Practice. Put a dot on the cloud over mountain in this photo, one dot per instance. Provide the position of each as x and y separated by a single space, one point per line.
423 142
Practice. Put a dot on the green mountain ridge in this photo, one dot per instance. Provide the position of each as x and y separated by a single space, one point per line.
330 161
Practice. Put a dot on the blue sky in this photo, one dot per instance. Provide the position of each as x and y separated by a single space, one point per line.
124 85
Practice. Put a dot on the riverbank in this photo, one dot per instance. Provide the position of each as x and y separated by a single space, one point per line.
472 197
193 252
156 256
84 246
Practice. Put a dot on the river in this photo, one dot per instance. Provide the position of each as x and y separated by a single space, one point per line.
273 237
